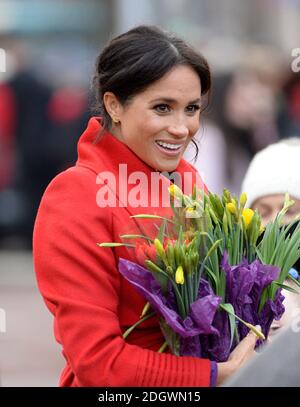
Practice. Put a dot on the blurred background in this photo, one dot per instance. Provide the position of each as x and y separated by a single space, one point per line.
47 54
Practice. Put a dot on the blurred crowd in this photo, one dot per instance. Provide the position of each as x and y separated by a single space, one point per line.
252 105
39 127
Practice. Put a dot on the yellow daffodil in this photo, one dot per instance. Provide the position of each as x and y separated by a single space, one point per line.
175 191
190 210
247 215
243 199
231 208
261 229
179 276
191 213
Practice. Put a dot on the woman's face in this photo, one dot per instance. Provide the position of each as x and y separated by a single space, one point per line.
268 206
158 123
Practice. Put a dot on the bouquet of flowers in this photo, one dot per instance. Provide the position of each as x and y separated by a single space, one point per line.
213 272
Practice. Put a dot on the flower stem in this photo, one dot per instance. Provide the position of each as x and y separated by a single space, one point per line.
130 329
163 347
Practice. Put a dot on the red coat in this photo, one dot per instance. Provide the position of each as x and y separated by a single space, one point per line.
91 302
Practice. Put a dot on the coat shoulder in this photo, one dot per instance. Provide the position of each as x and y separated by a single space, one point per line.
72 195
73 182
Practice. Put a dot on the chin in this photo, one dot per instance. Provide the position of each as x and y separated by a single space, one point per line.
167 168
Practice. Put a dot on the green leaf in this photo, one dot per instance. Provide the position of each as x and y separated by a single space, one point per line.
222 285
259 255
194 194
145 216
172 338
159 274
250 326
161 231
263 298
286 287
231 316
115 244
293 280
212 275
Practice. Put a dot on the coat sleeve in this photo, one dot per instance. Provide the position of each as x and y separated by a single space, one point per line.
80 285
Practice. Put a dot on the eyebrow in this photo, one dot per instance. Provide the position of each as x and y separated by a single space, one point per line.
170 100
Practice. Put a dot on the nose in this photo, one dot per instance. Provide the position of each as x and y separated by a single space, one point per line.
178 130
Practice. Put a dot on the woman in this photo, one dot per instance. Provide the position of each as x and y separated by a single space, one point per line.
149 85
272 172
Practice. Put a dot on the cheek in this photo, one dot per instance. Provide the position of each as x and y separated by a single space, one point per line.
152 128
156 122
133 130
150 121
265 213
194 126
266 219
289 217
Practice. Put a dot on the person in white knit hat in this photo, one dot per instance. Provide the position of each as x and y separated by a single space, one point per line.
272 172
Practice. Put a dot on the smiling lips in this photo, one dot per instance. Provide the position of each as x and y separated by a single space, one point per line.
169 148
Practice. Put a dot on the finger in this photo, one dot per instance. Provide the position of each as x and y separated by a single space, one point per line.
245 347
254 336
249 341
256 330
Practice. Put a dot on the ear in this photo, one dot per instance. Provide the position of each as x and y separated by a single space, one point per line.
113 106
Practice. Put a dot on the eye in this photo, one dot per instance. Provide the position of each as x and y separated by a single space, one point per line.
162 108
293 211
275 328
192 108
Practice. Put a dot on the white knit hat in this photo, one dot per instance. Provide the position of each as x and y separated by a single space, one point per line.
274 170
